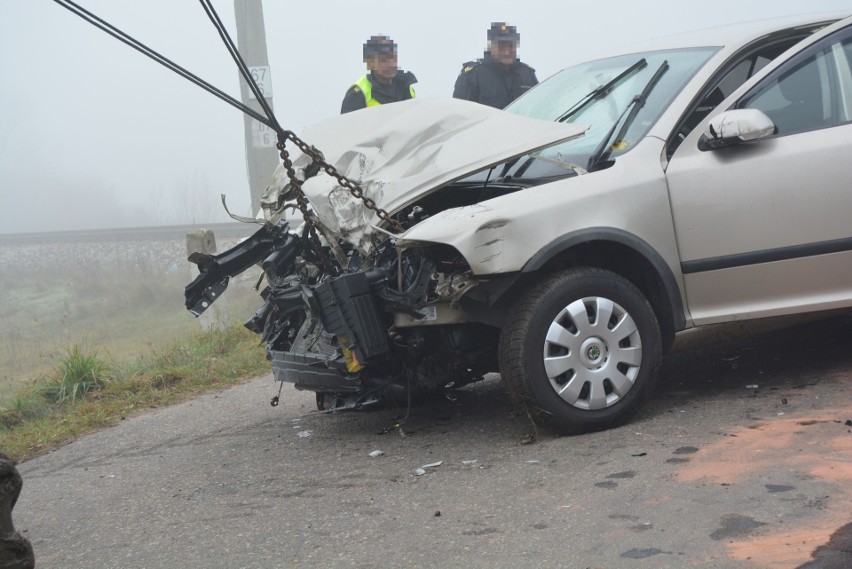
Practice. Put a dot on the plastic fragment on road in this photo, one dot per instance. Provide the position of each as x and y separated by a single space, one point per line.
304 434
420 471
376 453
469 461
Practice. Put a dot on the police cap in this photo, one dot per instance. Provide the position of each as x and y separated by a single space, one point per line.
500 31
378 44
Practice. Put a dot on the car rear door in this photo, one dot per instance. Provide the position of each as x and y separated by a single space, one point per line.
765 228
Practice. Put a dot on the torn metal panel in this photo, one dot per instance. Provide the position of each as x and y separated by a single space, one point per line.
400 152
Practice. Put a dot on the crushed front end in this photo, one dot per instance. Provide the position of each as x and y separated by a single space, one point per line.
353 310
383 327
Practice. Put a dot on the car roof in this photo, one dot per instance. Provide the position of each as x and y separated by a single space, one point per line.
730 36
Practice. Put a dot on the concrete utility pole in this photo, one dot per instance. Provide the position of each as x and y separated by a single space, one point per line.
261 154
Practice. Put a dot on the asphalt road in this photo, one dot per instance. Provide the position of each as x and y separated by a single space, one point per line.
742 460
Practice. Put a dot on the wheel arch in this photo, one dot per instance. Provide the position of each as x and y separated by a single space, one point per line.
623 253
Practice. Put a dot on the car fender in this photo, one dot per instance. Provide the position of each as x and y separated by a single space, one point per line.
523 230
565 243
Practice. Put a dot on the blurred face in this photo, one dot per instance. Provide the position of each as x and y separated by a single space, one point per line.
383 65
506 52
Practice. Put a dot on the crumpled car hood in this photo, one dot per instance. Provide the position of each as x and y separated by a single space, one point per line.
400 152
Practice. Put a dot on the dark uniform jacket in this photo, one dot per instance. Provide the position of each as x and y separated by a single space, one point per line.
489 82
399 89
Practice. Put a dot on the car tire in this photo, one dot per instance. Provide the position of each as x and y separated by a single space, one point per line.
581 351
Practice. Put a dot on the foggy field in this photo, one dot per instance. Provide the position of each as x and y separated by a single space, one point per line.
124 299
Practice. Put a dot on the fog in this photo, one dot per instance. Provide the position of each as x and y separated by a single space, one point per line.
95 135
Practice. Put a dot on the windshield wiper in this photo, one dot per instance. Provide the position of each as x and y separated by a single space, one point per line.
601 91
604 149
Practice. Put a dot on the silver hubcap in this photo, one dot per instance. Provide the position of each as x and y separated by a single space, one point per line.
592 353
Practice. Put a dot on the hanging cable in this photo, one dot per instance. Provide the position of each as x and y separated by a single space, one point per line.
241 64
268 120
162 60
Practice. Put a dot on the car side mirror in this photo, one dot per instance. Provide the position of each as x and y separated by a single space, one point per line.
735 127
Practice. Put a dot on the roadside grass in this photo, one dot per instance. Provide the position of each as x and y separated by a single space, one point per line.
129 310
89 390
80 371
90 333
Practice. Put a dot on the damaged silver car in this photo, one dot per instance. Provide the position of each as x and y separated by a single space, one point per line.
565 241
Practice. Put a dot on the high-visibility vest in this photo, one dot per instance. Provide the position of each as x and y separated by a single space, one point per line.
367 88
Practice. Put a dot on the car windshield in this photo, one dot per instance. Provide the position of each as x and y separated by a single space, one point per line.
575 94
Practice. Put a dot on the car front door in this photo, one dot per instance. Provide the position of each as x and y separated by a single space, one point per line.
765 228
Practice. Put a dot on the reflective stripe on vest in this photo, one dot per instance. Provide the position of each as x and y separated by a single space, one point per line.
367 88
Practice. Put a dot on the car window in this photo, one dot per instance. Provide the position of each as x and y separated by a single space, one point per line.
554 97
741 67
811 92
844 52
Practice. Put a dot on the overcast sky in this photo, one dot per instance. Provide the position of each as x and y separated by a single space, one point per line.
93 134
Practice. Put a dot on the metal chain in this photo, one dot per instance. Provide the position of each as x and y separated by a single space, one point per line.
345 182
302 203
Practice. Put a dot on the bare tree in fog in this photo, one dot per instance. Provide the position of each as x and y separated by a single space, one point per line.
193 202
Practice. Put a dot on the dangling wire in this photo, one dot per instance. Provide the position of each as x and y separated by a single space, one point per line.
241 64
268 120
164 61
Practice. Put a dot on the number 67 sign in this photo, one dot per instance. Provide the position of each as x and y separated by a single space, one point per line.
263 78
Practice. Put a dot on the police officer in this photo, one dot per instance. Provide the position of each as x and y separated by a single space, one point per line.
499 77
385 83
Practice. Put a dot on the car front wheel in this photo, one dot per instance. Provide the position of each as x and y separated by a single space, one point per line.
581 350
